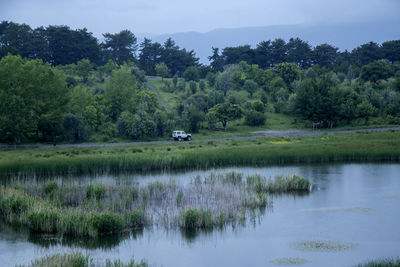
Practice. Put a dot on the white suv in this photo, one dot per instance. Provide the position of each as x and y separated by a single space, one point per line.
181 135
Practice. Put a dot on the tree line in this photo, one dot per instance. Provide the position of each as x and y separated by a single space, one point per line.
60 45
70 94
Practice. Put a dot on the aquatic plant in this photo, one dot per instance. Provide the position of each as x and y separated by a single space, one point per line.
96 210
387 262
77 259
324 245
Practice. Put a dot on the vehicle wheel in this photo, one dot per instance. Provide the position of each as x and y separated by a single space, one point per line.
189 138
180 139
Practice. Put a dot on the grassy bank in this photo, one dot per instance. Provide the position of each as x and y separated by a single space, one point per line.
94 210
365 147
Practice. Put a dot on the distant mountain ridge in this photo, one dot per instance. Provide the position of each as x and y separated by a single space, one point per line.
344 36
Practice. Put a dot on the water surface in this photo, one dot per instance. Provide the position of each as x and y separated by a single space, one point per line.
356 204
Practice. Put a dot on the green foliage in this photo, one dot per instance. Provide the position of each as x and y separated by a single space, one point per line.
365 109
191 74
289 72
254 118
120 91
375 71
250 86
162 70
120 47
83 69
33 98
227 112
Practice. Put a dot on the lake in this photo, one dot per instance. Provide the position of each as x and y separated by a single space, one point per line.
352 216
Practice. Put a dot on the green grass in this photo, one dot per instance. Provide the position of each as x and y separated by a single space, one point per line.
359 147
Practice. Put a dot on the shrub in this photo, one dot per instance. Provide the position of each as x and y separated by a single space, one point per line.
254 118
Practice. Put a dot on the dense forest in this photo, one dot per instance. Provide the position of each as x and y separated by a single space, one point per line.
64 85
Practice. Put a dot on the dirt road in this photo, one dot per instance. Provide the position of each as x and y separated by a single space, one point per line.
257 134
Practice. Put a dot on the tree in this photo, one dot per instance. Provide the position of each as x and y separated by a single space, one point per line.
391 50
227 112
375 71
191 74
162 70
177 60
216 60
33 99
299 52
318 100
83 69
120 47
69 46
191 118
232 55
278 51
120 91
74 127
223 82
149 56
250 86
142 123
193 87
365 110
324 55
366 53
289 72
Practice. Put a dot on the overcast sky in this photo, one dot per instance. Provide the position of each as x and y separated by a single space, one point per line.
170 16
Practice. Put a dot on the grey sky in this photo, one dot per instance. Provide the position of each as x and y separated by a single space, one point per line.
168 16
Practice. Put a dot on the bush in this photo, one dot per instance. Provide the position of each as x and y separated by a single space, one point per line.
254 118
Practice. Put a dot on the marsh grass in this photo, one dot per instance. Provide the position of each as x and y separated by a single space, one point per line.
388 262
375 146
77 259
94 210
